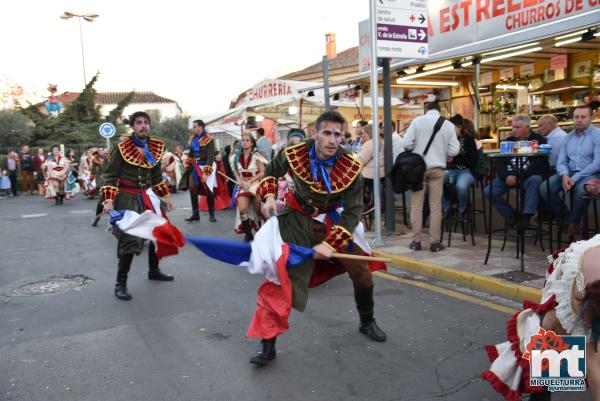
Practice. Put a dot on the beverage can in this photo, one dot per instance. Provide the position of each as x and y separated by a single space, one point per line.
535 146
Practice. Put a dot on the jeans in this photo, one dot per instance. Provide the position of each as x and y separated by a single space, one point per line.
574 216
12 175
530 203
463 180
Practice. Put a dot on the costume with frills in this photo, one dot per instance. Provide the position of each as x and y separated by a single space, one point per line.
509 371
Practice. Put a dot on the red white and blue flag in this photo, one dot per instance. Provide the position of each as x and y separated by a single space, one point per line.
270 256
152 225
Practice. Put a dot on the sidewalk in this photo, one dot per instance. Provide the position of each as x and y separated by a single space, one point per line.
462 263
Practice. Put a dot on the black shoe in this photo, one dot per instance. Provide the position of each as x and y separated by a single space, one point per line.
266 354
371 330
415 246
248 237
211 217
545 395
159 276
513 220
121 292
95 222
194 217
436 247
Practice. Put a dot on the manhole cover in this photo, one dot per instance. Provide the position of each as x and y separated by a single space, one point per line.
518 276
49 285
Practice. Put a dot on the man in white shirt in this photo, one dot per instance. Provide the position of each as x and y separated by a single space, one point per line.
548 128
444 145
397 147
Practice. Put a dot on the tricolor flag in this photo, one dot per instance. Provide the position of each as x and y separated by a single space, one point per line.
152 225
267 255
270 256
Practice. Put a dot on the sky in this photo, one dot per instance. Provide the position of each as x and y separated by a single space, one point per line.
201 54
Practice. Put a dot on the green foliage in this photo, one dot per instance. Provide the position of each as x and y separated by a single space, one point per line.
77 124
115 114
15 129
172 129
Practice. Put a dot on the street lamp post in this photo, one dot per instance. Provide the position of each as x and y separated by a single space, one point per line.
89 18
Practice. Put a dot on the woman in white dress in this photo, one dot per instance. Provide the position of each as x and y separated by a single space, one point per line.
249 169
570 305
57 169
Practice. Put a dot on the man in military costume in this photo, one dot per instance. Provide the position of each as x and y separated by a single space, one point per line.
325 177
199 175
134 167
99 157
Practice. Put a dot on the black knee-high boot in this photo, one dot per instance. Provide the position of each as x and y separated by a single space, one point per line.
247 227
210 200
121 286
195 215
545 395
266 353
99 208
365 306
154 272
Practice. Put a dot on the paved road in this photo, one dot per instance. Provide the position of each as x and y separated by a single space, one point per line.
185 340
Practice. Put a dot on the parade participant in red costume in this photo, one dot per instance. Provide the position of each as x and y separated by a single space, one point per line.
222 198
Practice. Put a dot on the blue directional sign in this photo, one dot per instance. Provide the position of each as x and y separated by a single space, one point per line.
107 130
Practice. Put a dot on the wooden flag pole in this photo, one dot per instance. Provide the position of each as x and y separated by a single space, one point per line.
227 178
360 257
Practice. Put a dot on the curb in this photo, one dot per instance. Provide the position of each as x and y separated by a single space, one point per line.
473 281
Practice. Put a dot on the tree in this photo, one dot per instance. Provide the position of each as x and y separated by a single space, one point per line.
172 129
15 129
78 123
115 114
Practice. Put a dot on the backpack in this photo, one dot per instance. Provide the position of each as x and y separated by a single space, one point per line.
409 168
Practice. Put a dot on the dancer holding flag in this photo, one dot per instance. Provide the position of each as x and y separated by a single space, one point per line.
199 175
133 168
326 178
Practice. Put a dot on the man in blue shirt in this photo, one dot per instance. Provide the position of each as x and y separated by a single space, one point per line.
578 163
263 144
549 129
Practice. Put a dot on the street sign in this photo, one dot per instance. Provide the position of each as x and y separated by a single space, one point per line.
402 29
107 130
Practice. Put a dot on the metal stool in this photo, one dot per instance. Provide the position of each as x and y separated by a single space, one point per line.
587 199
466 222
474 211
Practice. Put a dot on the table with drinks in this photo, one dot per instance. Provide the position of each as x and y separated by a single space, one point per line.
519 151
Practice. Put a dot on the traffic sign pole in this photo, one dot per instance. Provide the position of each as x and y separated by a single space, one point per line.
107 130
374 117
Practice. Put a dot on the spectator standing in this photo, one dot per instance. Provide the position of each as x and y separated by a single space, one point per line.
27 170
366 157
10 168
397 147
354 145
444 145
38 164
264 144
